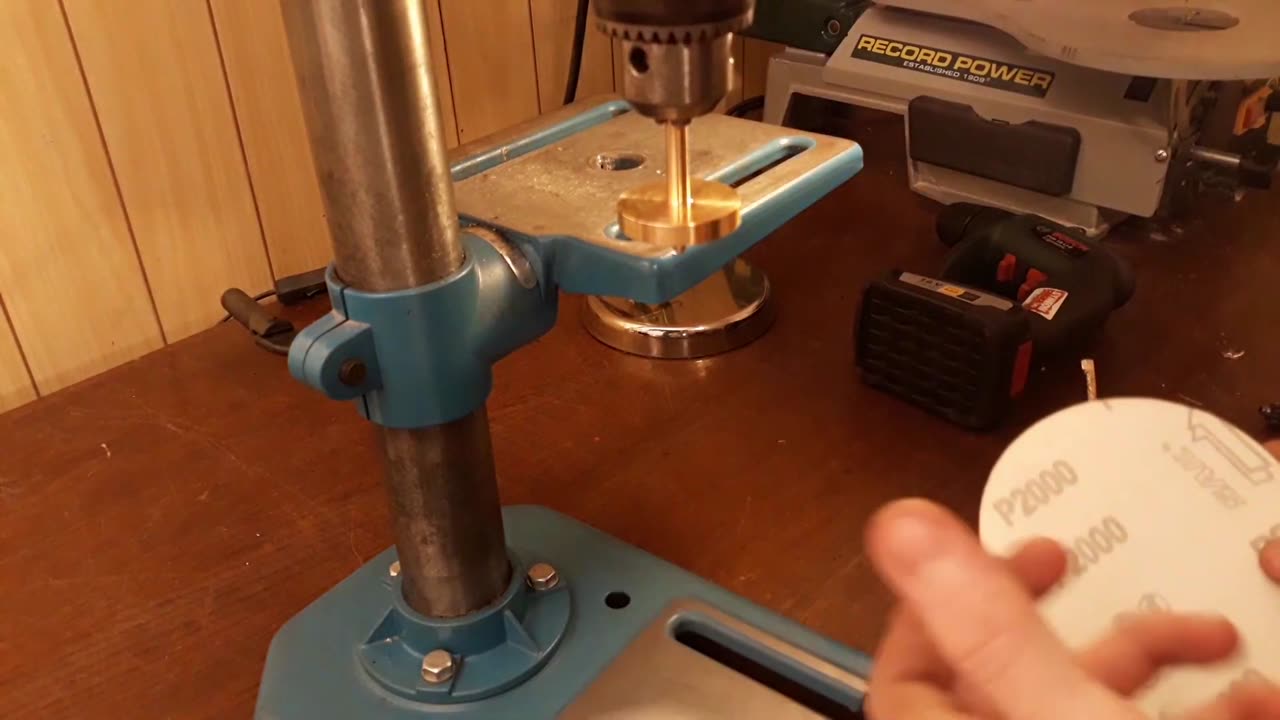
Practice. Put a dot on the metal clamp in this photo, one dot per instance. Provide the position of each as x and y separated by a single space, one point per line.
424 356
518 182
445 661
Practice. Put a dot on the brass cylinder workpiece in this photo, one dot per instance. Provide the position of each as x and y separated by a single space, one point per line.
681 211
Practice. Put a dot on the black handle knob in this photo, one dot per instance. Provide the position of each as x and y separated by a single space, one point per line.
250 314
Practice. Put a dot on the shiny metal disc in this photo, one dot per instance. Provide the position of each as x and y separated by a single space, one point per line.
645 216
724 312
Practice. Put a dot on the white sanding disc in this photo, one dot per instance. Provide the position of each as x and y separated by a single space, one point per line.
1162 507
1181 39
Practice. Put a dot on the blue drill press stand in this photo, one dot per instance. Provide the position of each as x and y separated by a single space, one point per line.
426 356
314 670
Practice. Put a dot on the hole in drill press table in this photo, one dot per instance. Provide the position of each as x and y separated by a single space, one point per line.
744 169
617 600
787 152
616 162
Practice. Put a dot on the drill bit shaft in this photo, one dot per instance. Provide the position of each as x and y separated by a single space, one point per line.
680 210
679 192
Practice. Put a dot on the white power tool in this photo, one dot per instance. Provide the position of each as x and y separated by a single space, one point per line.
1081 112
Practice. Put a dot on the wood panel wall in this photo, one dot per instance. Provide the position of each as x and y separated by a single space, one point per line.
153 153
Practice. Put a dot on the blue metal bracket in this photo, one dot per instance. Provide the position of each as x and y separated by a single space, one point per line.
473 165
585 268
424 356
577 265
496 648
314 669
427 353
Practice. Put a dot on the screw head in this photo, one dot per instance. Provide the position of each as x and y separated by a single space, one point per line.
1162 155
352 373
833 26
542 576
438 666
394 570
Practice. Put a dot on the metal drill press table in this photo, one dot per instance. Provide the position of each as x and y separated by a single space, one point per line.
160 522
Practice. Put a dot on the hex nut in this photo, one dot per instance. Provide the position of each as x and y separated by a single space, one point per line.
438 666
542 576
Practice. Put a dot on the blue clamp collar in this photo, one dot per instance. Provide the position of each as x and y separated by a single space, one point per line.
423 356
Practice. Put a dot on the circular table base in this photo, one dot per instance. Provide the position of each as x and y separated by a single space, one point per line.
724 312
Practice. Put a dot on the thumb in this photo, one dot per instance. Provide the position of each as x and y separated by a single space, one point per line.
981 619
1270 559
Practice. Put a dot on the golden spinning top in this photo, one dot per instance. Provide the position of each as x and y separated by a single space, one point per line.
682 211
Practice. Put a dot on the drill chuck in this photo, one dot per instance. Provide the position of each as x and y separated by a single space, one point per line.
678 66
673 21
677 52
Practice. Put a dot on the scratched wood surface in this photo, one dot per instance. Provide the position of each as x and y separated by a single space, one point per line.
160 521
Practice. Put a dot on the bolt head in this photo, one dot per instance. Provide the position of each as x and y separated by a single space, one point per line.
1162 155
352 373
394 570
542 576
438 666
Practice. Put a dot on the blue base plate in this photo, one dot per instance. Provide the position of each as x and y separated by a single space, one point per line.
313 668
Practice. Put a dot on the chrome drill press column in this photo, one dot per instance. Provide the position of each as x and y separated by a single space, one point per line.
364 72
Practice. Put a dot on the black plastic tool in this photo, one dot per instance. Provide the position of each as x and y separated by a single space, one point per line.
269 332
1014 290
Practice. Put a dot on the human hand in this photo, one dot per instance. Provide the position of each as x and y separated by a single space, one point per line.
967 643
1270 556
1270 559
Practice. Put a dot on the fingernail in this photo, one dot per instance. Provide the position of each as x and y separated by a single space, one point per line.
910 533
1223 622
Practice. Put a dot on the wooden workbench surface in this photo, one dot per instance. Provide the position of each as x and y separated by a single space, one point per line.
158 523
